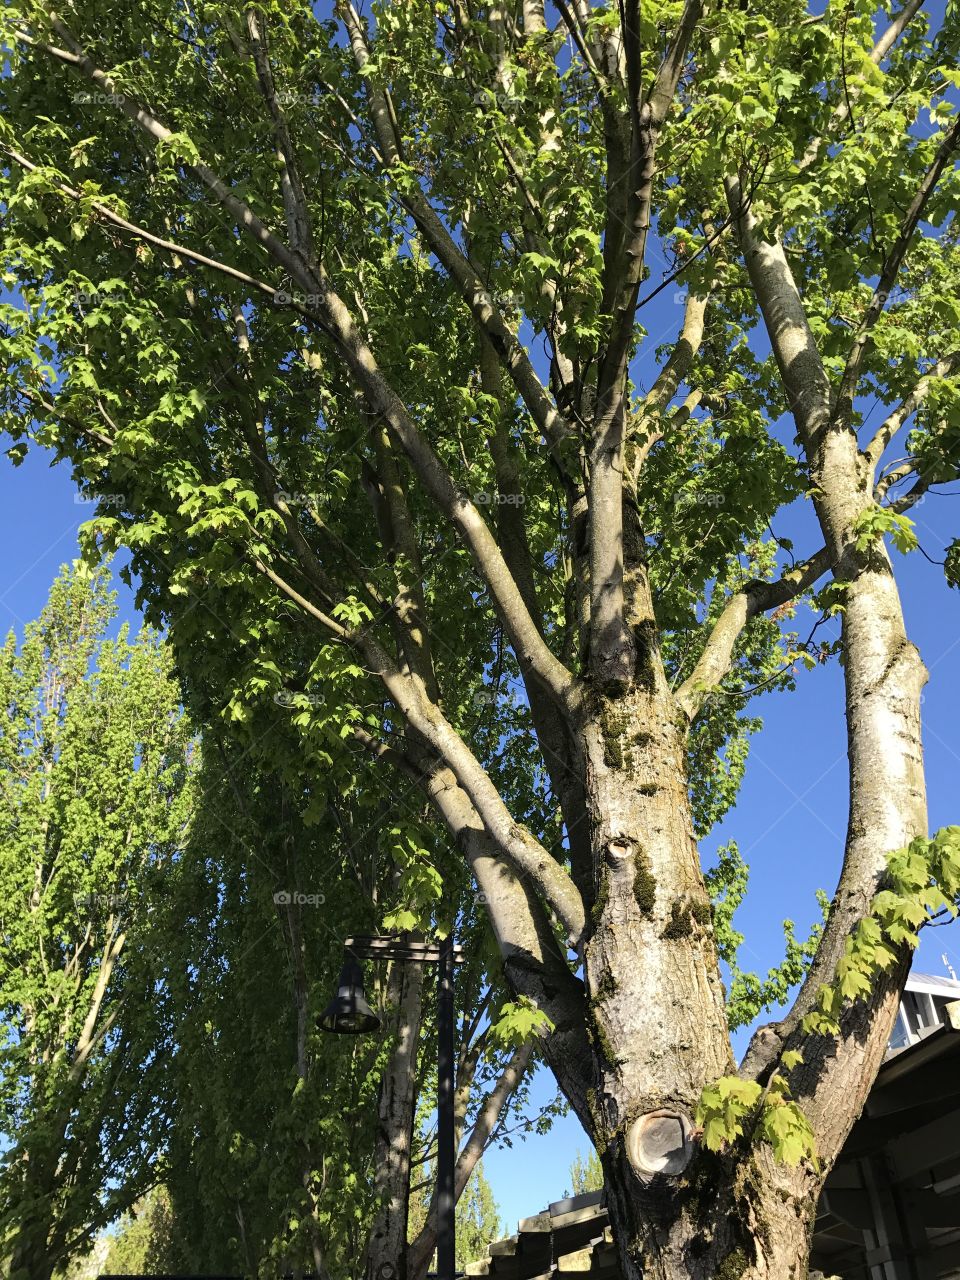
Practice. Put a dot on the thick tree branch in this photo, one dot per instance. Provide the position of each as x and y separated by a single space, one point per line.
883 676
529 645
648 425
801 368
683 354
532 961
299 229
894 477
755 598
514 843
552 729
577 36
648 119
908 500
611 642
908 406
399 538
89 1037
894 31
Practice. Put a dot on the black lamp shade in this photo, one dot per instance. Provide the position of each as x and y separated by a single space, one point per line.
348 1012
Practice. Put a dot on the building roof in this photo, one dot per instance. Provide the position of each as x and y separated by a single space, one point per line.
934 985
570 1236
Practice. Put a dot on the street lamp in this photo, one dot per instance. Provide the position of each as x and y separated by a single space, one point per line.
348 1013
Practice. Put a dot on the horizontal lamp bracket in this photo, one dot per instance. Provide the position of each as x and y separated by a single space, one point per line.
392 948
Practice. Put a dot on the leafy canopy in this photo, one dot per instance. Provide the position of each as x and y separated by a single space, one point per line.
320 308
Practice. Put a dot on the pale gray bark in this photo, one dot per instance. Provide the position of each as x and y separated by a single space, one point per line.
883 677
387 1242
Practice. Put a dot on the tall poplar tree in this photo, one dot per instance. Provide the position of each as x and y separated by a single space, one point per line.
95 795
345 318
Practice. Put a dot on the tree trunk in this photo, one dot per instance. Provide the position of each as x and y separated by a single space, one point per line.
653 985
387 1244
656 1010
31 1256
733 1217
30 1259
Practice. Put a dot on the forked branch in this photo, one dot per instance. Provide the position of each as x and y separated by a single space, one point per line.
756 598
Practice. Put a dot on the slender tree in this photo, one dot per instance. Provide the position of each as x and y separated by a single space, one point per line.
270 1163
477 1216
478 1219
145 1240
95 793
586 1173
349 319
246 1137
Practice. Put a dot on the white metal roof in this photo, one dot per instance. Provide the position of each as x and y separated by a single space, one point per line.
932 984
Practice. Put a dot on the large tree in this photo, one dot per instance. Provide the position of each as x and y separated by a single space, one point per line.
345 319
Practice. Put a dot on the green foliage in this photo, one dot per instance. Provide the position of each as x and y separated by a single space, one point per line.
876 521
215 426
952 563
97 777
586 1174
146 1238
208 1007
281 1136
273 1153
724 1107
518 1022
478 1219
419 886
748 994
178 483
922 883
784 1126
732 1109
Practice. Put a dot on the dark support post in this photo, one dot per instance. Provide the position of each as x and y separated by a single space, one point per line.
446 1230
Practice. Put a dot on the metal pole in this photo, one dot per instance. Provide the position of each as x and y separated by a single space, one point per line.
446 1229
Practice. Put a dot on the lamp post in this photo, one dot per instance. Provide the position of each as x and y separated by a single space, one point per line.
349 1013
